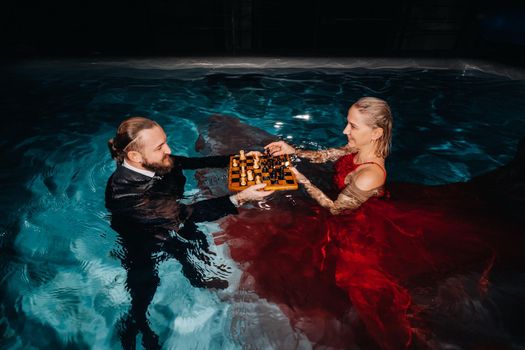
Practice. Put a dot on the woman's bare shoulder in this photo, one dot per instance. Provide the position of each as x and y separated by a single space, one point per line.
369 177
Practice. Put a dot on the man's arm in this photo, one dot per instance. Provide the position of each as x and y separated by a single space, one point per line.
209 209
167 212
201 162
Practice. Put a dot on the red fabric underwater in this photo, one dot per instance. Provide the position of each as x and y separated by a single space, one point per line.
377 276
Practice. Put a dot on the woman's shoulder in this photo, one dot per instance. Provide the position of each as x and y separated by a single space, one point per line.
369 177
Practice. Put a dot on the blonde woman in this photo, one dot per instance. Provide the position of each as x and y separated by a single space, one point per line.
360 167
358 260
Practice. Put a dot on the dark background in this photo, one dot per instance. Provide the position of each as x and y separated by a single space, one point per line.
492 30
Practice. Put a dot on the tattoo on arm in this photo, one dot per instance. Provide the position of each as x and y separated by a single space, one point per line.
343 202
323 156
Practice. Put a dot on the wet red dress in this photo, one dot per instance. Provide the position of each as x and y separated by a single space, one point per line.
393 274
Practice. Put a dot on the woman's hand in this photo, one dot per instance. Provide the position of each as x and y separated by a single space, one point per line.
299 176
254 154
279 148
252 193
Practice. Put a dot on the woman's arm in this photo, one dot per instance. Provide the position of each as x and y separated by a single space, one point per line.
342 203
351 197
323 156
320 156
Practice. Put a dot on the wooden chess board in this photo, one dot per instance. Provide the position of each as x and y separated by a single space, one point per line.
273 171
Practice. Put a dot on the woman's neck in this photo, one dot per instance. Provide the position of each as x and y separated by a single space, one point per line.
367 154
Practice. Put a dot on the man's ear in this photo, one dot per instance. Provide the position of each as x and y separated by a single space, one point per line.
377 133
134 156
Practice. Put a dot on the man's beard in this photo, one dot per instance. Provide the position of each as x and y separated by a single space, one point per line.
159 168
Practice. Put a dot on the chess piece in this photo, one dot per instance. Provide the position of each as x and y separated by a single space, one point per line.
258 180
243 171
250 175
281 173
242 156
243 181
234 163
256 162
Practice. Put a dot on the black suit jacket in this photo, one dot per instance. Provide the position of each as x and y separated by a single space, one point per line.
143 205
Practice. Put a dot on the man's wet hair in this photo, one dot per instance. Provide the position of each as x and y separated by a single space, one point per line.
127 137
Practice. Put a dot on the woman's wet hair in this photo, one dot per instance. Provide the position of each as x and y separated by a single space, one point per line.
379 116
127 137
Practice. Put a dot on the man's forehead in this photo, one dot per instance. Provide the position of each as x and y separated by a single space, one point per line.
153 136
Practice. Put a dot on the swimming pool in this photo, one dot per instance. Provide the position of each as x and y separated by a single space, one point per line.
62 283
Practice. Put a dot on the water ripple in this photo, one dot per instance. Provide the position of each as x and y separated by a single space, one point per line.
63 269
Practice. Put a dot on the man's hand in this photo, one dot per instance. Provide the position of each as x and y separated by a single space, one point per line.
252 193
279 148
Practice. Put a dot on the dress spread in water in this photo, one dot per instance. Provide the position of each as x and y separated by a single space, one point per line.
409 269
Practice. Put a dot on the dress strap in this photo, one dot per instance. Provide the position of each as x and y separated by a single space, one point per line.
379 165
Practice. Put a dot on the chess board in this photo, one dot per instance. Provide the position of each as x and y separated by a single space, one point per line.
273 171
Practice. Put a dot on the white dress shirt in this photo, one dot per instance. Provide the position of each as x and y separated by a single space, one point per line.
138 170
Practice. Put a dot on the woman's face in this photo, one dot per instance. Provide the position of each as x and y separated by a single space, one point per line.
358 132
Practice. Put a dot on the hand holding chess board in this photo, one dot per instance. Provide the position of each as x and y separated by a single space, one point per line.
245 171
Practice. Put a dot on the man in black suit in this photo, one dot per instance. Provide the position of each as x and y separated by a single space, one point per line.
143 196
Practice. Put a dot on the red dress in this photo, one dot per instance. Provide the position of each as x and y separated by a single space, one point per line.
380 276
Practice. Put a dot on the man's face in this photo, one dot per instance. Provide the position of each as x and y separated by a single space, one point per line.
155 151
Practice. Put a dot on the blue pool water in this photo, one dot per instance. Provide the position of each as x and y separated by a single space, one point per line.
62 285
